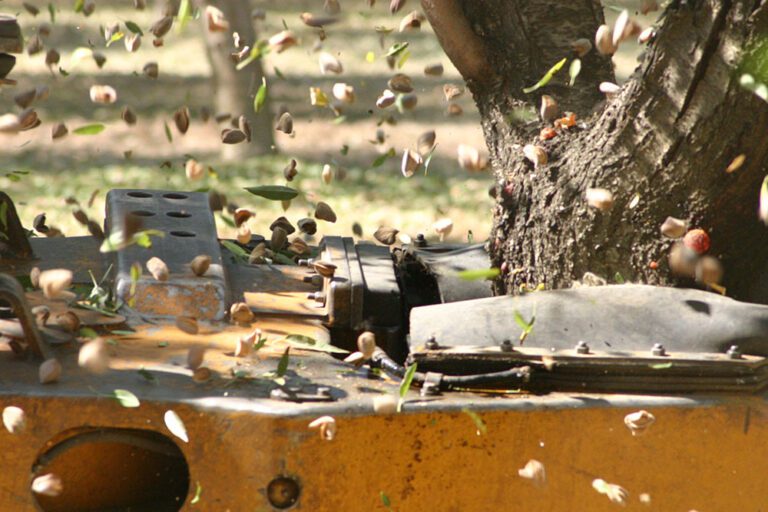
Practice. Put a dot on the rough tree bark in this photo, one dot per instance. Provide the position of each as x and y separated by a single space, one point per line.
235 90
666 138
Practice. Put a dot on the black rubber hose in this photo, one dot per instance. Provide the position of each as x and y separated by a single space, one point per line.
514 376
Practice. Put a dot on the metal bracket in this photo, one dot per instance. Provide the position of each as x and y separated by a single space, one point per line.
12 292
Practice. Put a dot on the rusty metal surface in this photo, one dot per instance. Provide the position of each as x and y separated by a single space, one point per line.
240 439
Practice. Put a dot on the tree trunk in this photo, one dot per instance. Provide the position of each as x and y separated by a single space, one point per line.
235 90
661 145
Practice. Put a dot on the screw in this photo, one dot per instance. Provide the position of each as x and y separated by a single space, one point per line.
506 346
420 241
317 297
658 350
432 343
582 348
734 352
314 279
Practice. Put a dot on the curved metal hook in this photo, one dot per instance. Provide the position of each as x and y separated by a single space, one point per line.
12 292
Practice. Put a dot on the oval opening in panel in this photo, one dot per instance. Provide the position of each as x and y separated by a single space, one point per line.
114 469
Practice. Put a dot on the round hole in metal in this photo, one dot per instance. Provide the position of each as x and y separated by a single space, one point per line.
183 234
142 213
174 195
179 215
140 195
283 492
114 469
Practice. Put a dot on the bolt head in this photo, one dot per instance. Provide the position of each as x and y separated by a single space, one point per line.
582 347
658 350
734 352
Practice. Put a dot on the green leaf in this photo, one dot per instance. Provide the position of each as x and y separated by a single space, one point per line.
162 344
396 48
198 492
308 343
618 278
385 500
147 375
235 249
274 192
89 129
168 134
79 4
126 398
115 37
133 27
259 50
370 57
87 332
184 14
282 365
547 77
405 384
573 71
116 240
660 366
527 327
478 421
403 58
383 158
279 74
476 275
52 12
261 96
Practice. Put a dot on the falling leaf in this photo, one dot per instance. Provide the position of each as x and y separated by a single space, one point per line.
198 492
396 49
133 27
282 365
547 77
175 425
527 327
480 425
573 71
405 385
184 14
274 192
308 343
261 96
479 274
385 500
89 129
126 398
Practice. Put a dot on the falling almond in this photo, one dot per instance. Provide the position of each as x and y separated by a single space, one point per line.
194 170
158 268
47 485
470 158
132 42
604 40
609 88
330 64
443 228
327 427
451 91
104 94
128 115
325 212
240 313
55 282
343 92
366 344
49 371
282 41
412 21
200 264
59 130
215 19
14 419
410 163
285 123
94 356
386 99
151 69
386 235
535 154
400 83
324 268
230 136
600 198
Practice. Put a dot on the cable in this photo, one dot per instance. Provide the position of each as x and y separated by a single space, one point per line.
514 376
